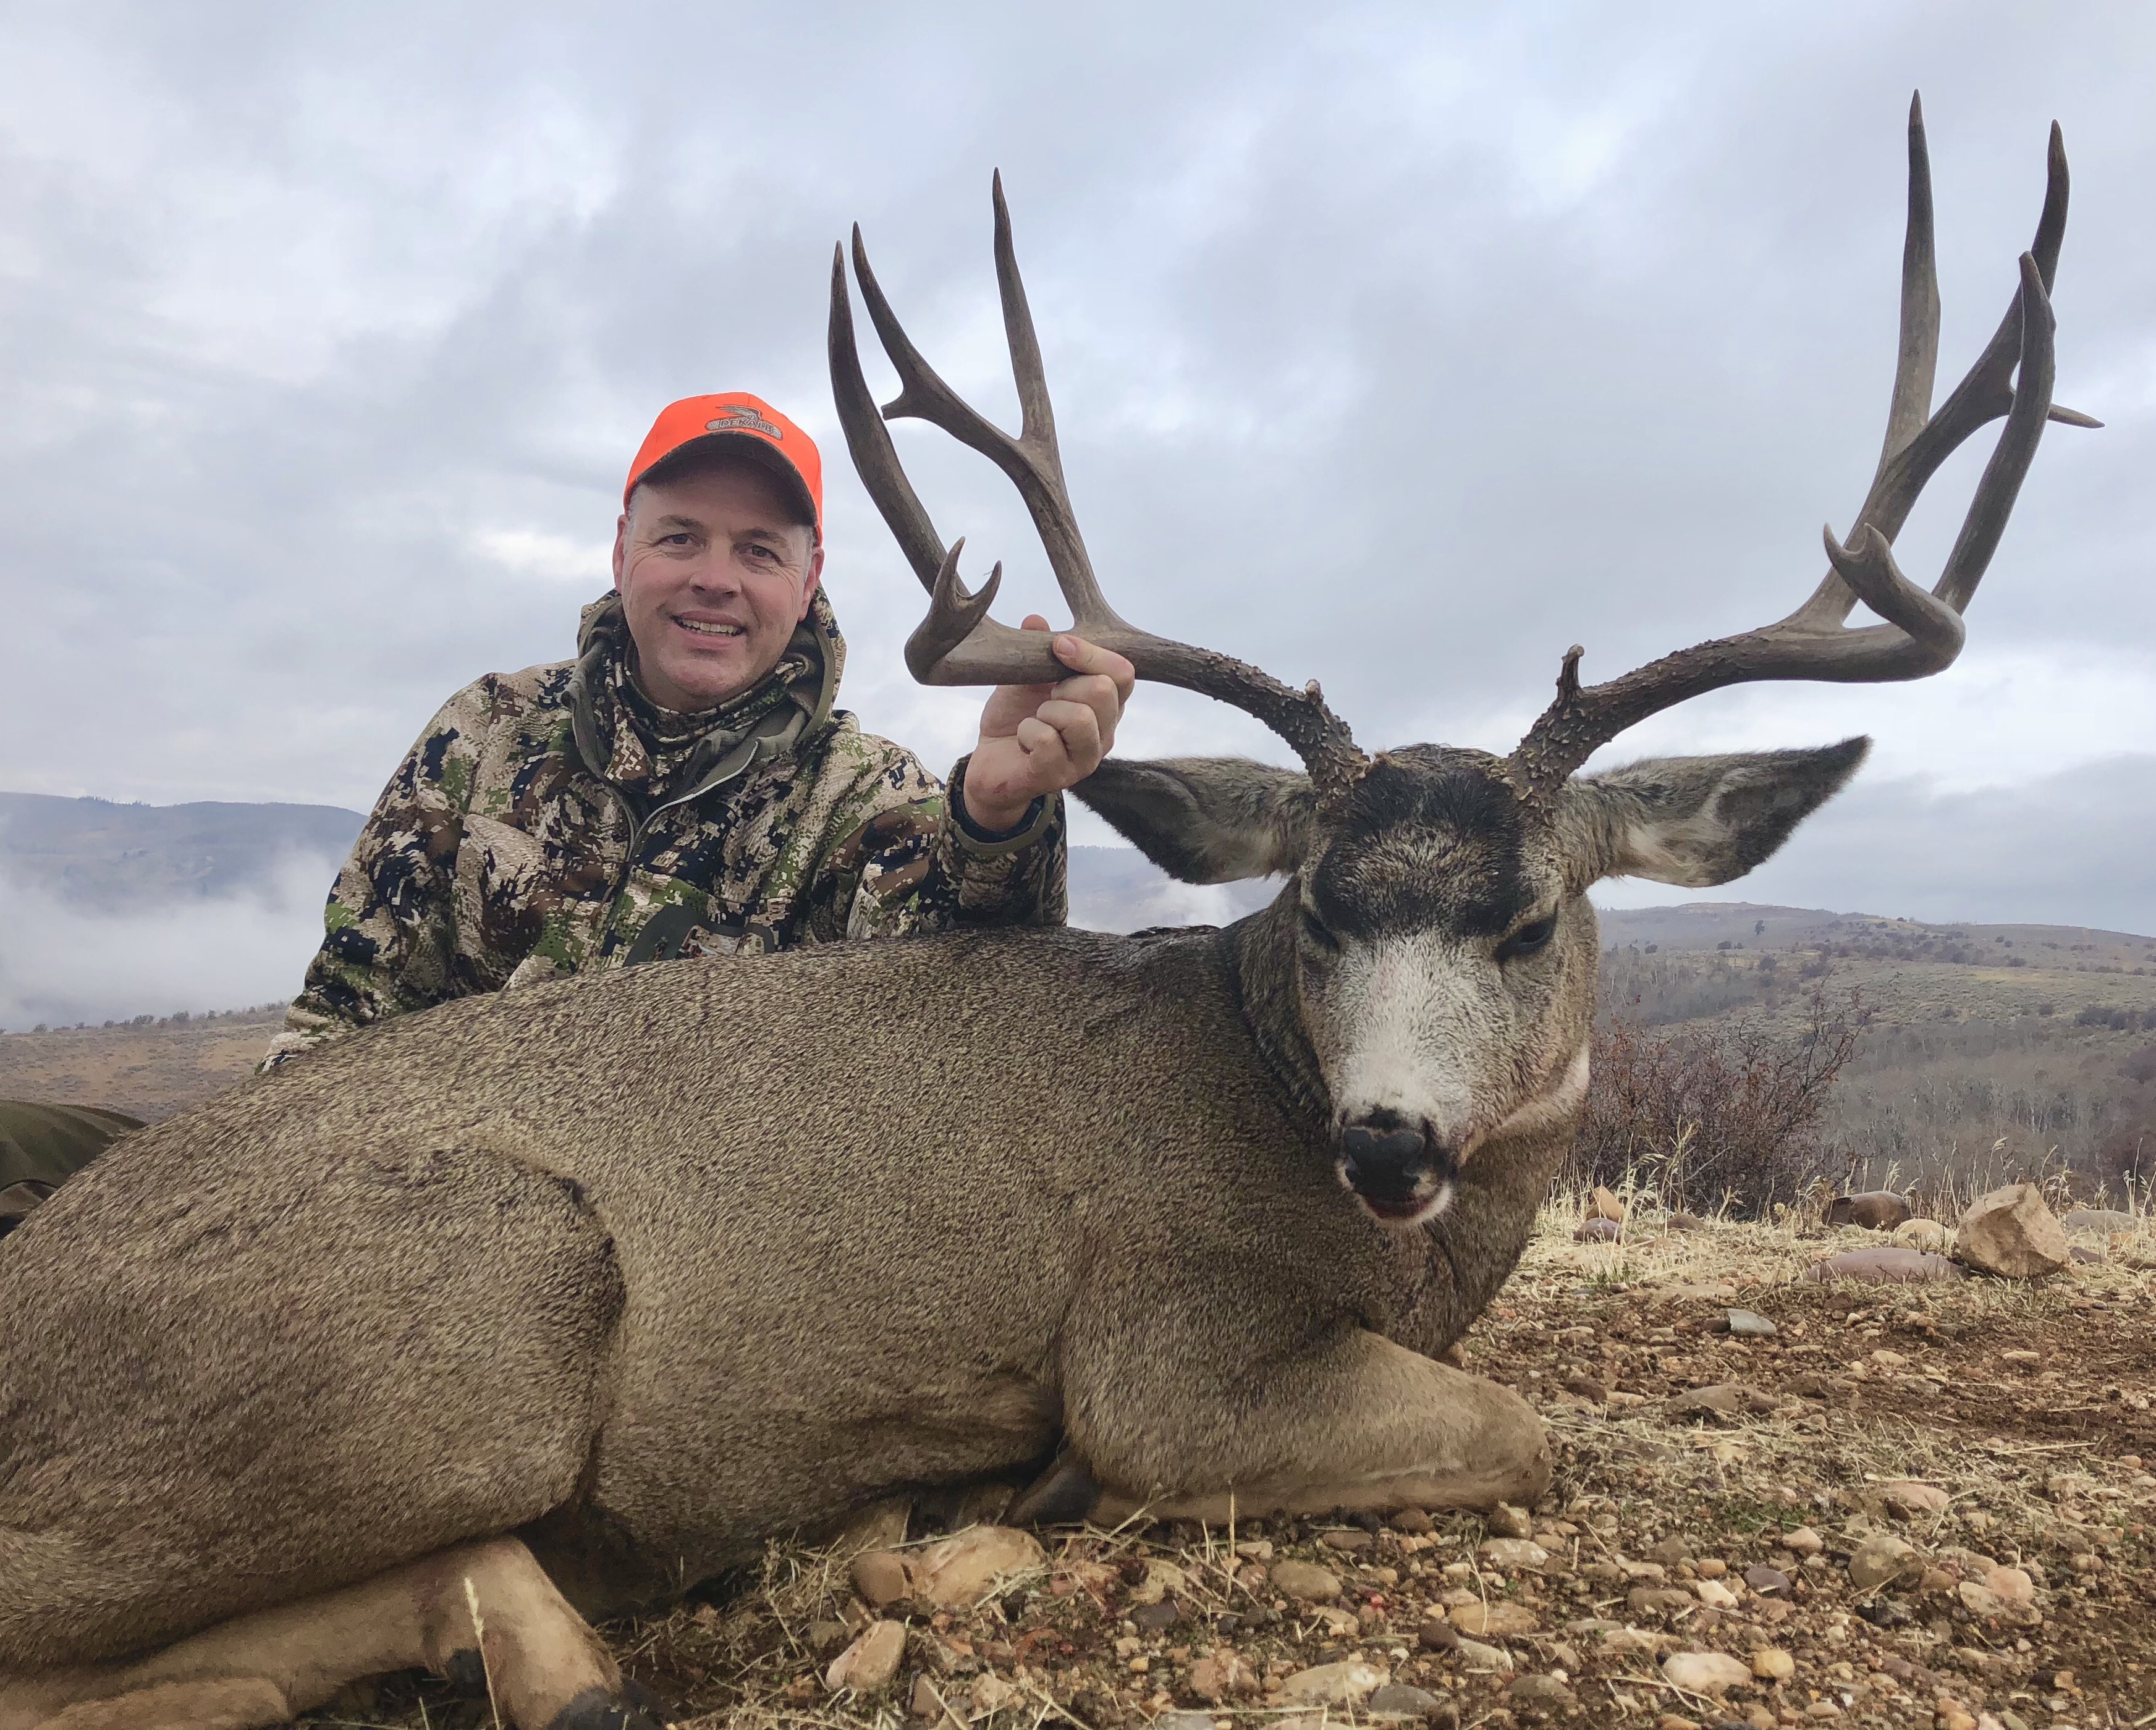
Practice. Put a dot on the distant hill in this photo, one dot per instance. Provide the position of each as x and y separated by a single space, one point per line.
94 854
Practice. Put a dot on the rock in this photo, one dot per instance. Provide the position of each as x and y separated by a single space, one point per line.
925 1701
1305 1582
992 1694
880 1577
1903 1496
1927 1236
1156 1618
1750 1324
1714 1595
1880 1559
1627 1642
1804 1541
1506 1520
1413 1521
1979 1600
1500 1620
1767 1582
2101 1222
1351 1538
1540 1691
1397 1700
2010 1232
1161 1579
2011 1586
1874 1209
1645 1601
1714 1673
1598 1231
870 1661
1173 1720
960 1571
1513 1553
1437 1635
1348 1683
1885 1267
1586 1388
1222 1677
1771 1664
1473 1655
1602 1205
1722 1399
1686 1222
1671 1550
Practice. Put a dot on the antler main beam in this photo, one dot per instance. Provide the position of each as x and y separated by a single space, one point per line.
957 643
1922 632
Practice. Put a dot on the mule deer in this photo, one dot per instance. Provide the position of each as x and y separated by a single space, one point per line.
539 1305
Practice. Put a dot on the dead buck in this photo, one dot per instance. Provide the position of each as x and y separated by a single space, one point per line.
544 1304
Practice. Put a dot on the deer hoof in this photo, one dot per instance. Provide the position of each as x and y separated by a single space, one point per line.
1063 1495
633 1707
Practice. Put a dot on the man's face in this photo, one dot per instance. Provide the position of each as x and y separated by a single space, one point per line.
714 574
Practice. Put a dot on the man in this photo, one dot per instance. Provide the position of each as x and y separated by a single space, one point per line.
686 786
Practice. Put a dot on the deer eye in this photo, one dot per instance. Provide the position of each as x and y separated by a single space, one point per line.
1528 939
1315 934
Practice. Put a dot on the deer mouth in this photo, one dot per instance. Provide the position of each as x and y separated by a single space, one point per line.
1415 1204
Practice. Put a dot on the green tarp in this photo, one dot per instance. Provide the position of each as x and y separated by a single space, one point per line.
42 1146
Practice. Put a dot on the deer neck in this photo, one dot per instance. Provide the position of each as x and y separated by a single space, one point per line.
1262 956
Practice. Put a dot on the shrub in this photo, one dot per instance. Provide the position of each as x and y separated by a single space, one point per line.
1714 1114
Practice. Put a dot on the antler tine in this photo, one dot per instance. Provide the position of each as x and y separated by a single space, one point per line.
1922 632
957 643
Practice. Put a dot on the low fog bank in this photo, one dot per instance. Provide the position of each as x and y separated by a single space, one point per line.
62 962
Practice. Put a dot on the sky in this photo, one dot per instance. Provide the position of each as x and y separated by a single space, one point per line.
1397 346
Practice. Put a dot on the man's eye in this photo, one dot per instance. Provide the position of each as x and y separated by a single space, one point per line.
1527 939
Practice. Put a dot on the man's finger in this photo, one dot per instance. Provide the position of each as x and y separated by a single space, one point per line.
1079 726
1081 656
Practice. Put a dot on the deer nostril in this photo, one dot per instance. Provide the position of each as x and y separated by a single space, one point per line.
1366 1148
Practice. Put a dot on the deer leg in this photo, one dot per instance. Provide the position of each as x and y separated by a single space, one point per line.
485 1612
1362 1424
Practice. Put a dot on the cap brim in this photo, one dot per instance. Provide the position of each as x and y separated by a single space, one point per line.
756 449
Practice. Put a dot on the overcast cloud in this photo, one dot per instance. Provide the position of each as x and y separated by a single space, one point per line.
1399 346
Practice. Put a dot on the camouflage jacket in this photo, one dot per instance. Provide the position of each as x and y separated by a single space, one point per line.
556 820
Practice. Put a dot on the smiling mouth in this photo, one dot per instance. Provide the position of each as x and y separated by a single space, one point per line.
698 629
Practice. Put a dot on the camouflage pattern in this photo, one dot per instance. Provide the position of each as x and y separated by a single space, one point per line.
556 820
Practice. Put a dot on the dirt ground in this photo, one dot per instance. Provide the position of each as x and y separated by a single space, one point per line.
2022 1411
152 1072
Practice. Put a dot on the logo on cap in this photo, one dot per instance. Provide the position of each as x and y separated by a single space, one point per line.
742 419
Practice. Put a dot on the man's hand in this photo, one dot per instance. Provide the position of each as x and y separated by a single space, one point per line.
1040 739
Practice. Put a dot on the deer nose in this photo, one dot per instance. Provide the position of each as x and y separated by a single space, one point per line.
1382 1158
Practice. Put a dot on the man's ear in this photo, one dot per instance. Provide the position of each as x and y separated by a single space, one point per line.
620 546
1698 820
1206 819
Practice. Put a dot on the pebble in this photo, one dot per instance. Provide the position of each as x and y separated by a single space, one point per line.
2010 1232
1771 1664
1437 1635
870 1661
1885 1267
1347 1683
1879 1559
1541 1690
880 1577
1513 1553
1671 1550
1502 1619
959 1572
1413 1521
1750 1324
1306 1582
1910 1497
1155 1618
1397 1700
1476 1656
1224 1676
1506 1520
2102 1222
2011 1584
1714 1595
1586 1388
1161 1579
1598 1231
1874 1209
1727 1398
1178 1720
1927 1236
1767 1582
1604 1205
1979 1600
1714 1673
1804 1541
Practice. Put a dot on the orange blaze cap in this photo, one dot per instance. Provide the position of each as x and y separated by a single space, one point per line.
738 424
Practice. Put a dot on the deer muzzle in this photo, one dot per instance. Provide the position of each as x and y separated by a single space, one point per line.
1400 1171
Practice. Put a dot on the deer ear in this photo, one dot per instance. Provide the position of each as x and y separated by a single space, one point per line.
1206 819
1699 820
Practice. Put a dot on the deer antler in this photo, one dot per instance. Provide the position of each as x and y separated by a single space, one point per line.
1923 633
957 643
